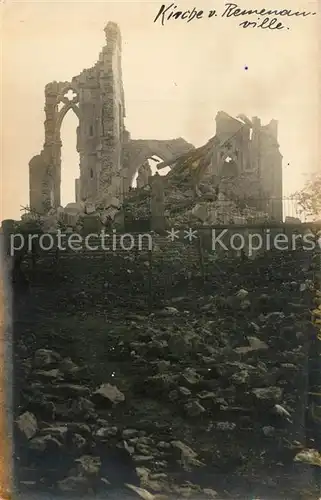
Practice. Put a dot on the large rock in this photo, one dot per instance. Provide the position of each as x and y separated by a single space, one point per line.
27 424
44 358
57 431
43 443
70 390
194 409
107 394
269 395
186 456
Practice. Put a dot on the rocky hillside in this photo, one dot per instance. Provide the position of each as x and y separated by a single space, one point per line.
200 393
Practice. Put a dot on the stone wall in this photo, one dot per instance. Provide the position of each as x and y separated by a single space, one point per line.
96 96
242 161
112 114
248 163
108 158
271 168
235 137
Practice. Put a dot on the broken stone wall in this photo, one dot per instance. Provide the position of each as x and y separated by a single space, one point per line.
234 137
97 98
112 113
41 191
88 132
248 164
45 169
271 169
108 158
266 161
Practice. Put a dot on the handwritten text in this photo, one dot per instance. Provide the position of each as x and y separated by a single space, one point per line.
270 18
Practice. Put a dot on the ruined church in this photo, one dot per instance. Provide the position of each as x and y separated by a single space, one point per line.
245 151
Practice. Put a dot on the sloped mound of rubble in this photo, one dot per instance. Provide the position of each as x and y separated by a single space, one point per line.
194 194
183 208
201 398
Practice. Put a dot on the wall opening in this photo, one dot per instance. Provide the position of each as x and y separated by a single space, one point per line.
69 158
153 162
229 168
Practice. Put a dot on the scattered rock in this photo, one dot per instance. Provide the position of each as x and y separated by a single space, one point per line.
225 426
268 431
43 443
196 362
27 423
169 311
74 484
186 456
210 493
78 441
242 294
282 412
106 432
141 492
129 433
57 431
184 391
194 409
309 456
89 465
53 374
70 390
190 377
43 358
269 395
108 394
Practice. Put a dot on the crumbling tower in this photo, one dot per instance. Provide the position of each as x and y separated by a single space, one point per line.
96 96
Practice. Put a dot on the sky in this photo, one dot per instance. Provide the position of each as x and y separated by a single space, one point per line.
176 78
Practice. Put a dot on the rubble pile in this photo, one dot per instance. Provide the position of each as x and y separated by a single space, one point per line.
137 204
199 398
182 207
72 216
195 193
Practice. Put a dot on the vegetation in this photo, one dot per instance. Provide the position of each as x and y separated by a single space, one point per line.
309 197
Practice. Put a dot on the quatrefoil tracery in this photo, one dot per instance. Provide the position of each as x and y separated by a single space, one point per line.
69 96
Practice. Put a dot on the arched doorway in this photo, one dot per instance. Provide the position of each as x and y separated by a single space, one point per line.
153 161
69 157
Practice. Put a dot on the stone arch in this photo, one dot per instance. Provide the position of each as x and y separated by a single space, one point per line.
147 169
141 158
55 94
70 107
139 151
61 115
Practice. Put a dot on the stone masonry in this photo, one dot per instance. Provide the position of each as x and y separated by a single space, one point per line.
242 160
109 158
250 153
96 96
